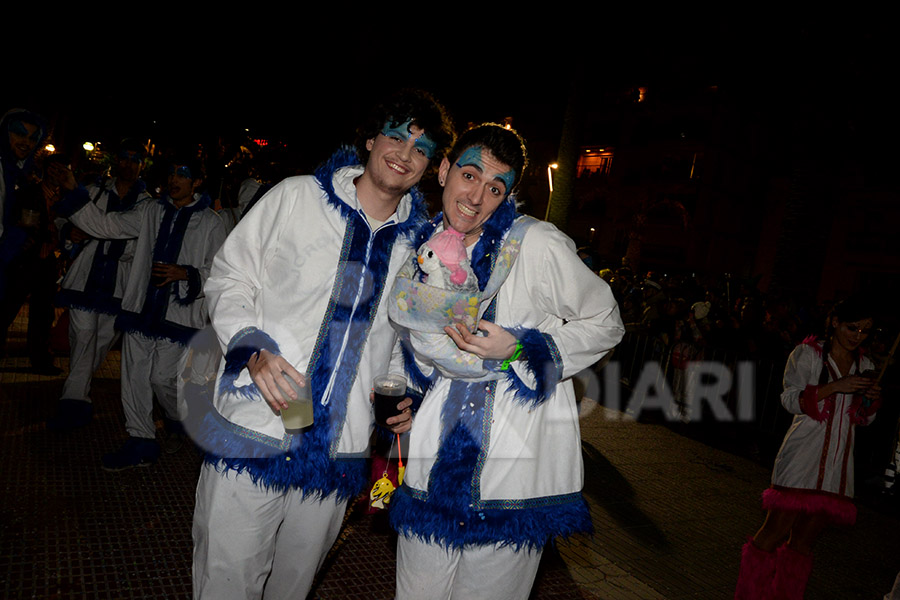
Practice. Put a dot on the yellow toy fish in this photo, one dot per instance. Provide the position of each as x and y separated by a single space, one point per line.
384 488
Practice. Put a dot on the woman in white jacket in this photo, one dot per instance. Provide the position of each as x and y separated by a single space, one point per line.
827 386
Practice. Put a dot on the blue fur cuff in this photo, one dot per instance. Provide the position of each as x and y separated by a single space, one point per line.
542 361
418 379
193 285
243 345
528 524
72 202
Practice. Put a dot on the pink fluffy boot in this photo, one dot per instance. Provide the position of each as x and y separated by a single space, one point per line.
756 574
791 574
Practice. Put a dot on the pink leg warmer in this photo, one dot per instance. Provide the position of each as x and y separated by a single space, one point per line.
791 574
757 572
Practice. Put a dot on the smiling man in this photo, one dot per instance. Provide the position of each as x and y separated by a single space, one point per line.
297 293
163 305
494 467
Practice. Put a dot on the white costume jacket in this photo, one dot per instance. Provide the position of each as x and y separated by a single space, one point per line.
188 237
303 275
95 282
500 461
814 467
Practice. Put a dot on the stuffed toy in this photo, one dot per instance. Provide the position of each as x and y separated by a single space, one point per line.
444 263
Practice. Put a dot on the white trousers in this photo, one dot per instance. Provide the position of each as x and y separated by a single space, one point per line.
150 367
428 572
250 543
91 335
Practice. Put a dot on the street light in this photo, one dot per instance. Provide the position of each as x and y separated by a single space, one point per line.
550 169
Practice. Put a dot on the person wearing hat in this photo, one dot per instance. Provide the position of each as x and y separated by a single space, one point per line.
94 283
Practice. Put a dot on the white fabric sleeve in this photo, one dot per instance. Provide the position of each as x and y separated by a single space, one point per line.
113 226
237 271
563 286
802 369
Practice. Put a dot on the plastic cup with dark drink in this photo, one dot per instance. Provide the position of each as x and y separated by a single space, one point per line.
390 390
299 413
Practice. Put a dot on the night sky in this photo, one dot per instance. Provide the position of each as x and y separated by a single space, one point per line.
311 89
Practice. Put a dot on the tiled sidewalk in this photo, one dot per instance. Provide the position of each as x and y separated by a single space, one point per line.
670 515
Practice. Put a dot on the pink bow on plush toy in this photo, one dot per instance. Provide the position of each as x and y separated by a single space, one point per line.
449 248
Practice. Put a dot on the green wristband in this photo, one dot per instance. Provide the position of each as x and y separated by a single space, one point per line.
515 356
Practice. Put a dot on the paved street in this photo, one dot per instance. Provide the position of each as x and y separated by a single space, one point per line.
670 514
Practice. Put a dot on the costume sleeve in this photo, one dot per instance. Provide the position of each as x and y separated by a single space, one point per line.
93 220
801 375
559 285
236 277
188 291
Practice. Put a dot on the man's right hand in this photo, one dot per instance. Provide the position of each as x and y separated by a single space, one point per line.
266 371
77 236
63 176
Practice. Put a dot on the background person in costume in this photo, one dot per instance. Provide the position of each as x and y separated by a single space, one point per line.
494 468
827 388
93 286
27 264
163 305
298 291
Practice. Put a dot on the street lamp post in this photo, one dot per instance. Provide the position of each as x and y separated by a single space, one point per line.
550 169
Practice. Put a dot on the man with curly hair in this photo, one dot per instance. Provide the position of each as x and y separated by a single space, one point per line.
296 293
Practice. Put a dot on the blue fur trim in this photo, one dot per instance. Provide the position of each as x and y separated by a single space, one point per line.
193 285
242 346
133 322
543 363
72 202
346 157
88 302
419 380
531 527
277 465
416 400
492 232
365 258
151 321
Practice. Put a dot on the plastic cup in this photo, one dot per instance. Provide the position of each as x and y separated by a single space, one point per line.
299 413
389 392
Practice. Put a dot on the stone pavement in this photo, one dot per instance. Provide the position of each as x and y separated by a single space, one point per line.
670 514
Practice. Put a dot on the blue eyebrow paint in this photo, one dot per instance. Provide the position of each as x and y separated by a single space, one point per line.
182 171
507 178
472 156
404 132
18 127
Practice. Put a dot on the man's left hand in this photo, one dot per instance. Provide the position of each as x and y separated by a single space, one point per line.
496 343
399 423
167 273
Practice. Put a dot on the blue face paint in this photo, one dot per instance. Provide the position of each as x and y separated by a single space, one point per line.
181 171
404 132
132 156
508 179
472 156
18 127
